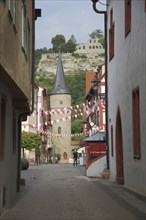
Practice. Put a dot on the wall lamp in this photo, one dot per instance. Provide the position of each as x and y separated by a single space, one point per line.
95 83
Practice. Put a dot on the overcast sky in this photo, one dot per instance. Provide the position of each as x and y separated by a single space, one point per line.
66 17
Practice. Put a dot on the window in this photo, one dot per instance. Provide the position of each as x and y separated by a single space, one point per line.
145 5
112 146
15 11
61 102
89 47
111 36
24 28
2 127
59 130
83 47
10 7
127 17
136 123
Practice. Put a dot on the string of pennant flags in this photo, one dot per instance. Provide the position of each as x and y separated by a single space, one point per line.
86 132
75 135
80 109
41 124
73 109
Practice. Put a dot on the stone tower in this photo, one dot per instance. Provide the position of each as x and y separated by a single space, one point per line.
60 100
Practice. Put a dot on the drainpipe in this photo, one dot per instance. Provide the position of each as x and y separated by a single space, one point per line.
33 51
106 76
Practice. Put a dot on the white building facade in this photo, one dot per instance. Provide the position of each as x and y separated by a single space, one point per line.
92 46
127 93
36 123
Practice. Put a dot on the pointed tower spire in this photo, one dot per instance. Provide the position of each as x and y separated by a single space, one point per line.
60 85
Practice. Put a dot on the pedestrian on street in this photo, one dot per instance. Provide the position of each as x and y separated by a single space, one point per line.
75 156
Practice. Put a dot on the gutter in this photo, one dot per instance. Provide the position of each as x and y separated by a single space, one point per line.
33 51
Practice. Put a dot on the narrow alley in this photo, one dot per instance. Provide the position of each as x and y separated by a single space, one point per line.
63 192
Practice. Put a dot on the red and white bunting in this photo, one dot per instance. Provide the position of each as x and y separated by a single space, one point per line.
86 132
71 109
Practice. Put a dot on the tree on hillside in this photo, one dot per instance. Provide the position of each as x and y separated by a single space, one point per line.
97 34
70 46
58 43
73 39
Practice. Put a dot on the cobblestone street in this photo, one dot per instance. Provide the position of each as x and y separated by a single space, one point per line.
63 192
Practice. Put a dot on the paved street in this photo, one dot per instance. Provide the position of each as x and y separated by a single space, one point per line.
63 192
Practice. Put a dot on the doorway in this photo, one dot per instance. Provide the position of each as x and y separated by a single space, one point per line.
119 150
64 156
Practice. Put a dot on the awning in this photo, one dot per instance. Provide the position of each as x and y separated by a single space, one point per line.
98 137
